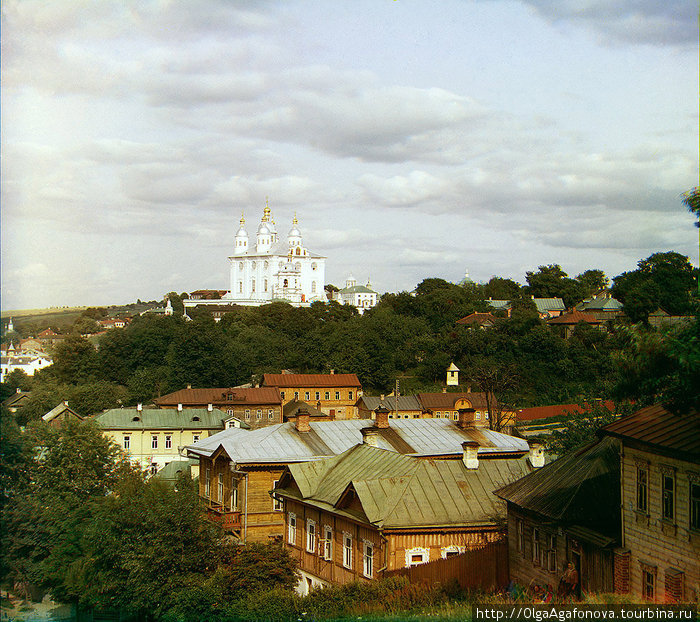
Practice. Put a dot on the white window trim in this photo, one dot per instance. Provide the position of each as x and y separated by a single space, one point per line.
367 559
425 553
326 550
452 548
347 549
292 528
311 535
277 504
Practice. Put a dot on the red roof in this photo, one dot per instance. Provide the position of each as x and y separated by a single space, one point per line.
310 380
477 318
220 396
574 317
657 427
544 412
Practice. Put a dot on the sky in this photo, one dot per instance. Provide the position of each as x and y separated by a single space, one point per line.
412 138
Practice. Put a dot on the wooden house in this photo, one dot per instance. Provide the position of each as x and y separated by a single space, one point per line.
368 512
56 416
660 501
238 467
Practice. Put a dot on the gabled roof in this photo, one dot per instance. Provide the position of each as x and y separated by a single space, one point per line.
399 491
283 443
549 304
480 319
161 419
447 401
563 490
406 402
59 410
574 317
291 408
253 396
602 304
17 398
659 429
310 380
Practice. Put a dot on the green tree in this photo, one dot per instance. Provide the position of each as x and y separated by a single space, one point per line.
592 281
75 360
501 289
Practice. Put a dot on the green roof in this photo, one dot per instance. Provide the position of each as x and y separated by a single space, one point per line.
171 471
161 419
357 289
398 491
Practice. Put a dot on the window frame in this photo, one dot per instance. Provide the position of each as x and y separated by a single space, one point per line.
668 496
154 441
277 503
536 549
367 559
311 535
347 550
291 528
220 488
642 489
694 504
126 442
168 441
327 548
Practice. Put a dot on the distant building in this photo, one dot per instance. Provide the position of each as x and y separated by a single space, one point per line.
452 379
26 362
567 322
359 296
478 320
60 414
546 307
266 269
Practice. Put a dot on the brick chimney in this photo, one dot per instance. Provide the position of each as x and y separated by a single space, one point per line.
536 454
381 419
469 388
470 454
370 436
466 418
444 389
303 420
332 372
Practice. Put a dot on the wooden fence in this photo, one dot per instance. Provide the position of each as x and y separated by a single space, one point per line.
484 568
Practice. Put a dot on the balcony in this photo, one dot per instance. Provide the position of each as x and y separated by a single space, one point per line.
226 518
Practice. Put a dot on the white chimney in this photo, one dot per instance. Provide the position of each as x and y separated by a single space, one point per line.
210 407
370 436
536 454
139 407
179 407
470 457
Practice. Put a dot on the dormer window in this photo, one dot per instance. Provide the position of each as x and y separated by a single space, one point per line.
136 419
195 418
230 396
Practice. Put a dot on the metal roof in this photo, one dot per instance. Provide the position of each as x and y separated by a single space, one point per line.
549 304
161 419
602 304
283 443
658 428
59 410
399 491
239 395
582 487
310 380
436 401
406 402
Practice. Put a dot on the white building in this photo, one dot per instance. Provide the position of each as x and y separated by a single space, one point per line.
28 362
264 269
359 296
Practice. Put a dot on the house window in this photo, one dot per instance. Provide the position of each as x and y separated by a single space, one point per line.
337 395
253 265
307 396
282 394
416 556
368 559
648 582
127 442
668 489
536 546
310 536
207 482
552 554
252 285
220 487
642 488
327 395
259 414
195 438
270 414
327 546
451 551
234 497
154 442
694 501
349 395
168 441
347 550
318 395
520 529
478 416
277 505
292 528
296 395
247 413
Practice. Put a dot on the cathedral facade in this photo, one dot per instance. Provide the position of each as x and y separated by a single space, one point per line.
264 268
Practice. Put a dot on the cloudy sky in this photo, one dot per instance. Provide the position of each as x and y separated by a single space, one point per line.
413 138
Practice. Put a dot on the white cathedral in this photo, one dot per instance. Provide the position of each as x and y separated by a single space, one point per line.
264 269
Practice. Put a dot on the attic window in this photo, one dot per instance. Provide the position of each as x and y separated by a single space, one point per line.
136 419
195 418
230 396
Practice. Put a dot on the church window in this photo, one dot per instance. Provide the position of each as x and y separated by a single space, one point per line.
241 266
286 283
253 265
297 266
313 286
252 285
298 251
265 285
266 265
240 287
313 265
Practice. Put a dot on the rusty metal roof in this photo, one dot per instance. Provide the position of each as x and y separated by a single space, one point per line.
310 380
437 401
283 443
239 395
582 488
658 428
399 491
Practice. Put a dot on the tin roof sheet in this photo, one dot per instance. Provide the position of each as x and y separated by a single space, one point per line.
283 443
161 419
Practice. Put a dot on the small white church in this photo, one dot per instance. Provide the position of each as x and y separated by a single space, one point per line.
264 269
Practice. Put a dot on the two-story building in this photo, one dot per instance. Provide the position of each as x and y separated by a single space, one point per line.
154 437
256 407
334 394
660 504
369 511
238 468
